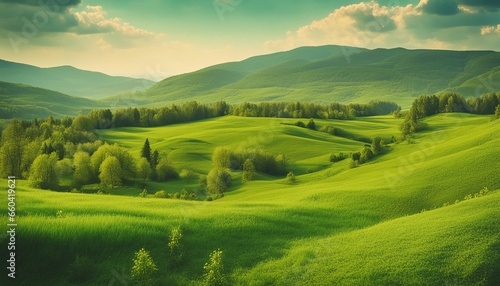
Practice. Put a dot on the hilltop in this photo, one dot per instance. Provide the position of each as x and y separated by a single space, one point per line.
70 80
332 74
25 102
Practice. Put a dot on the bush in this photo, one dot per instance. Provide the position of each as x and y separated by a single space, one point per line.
351 164
165 171
218 180
188 175
336 158
144 269
248 171
161 194
175 246
143 194
214 270
290 178
311 125
300 124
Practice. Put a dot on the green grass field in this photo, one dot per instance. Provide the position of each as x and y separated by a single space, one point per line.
334 226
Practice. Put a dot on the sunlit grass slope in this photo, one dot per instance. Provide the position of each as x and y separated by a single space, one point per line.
357 226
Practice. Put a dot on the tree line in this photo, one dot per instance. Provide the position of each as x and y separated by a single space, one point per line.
312 110
426 105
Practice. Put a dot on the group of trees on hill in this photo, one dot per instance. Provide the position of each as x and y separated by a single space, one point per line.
44 151
426 105
249 161
149 117
312 110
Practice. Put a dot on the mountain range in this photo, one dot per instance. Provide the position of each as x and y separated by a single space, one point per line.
321 74
70 80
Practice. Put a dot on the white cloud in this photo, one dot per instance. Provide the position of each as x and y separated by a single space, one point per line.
490 29
371 25
364 25
94 20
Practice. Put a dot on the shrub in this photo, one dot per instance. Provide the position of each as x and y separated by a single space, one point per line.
335 158
351 164
214 270
290 178
161 194
300 124
311 125
175 246
143 194
188 175
144 269
248 171
218 180
165 171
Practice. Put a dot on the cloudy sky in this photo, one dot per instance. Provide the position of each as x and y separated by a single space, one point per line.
156 38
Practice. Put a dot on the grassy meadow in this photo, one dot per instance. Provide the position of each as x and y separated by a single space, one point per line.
400 219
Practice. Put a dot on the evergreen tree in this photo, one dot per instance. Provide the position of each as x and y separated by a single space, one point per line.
146 151
154 159
497 112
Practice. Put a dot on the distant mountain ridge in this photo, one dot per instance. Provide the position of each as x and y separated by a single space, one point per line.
70 80
25 102
332 73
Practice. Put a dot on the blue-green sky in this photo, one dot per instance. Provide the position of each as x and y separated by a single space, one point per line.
156 38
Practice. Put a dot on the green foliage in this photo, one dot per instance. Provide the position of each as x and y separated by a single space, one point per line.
12 150
352 163
300 124
110 171
83 123
83 169
366 155
125 160
248 171
311 125
290 178
221 157
64 167
218 180
311 110
43 172
165 171
154 159
143 168
144 193
175 247
377 145
497 113
146 151
214 270
160 194
144 271
336 158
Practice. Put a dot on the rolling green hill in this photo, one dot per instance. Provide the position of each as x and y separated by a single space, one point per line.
70 80
332 74
25 102
333 226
